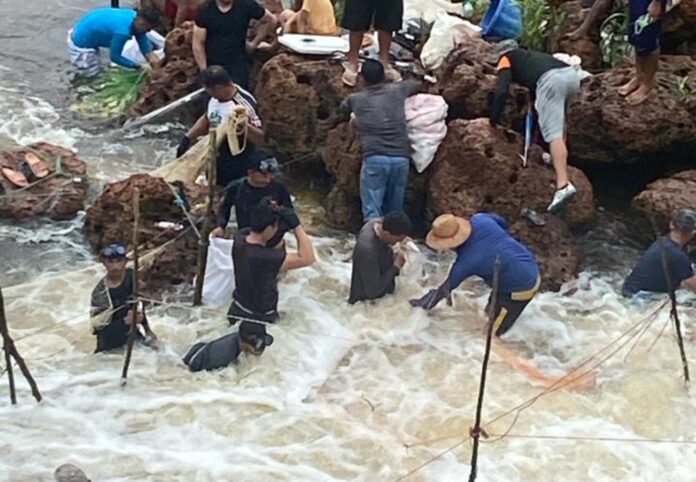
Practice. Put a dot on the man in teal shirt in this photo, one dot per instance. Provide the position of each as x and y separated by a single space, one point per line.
110 28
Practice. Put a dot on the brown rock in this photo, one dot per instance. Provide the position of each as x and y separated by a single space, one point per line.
58 196
680 24
343 209
298 101
587 48
661 198
602 127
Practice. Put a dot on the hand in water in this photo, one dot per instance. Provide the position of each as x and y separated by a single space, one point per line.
431 298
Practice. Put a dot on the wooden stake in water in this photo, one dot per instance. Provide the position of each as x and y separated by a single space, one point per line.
134 325
476 429
208 223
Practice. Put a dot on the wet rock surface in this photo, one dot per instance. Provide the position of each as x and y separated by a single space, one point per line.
60 195
662 197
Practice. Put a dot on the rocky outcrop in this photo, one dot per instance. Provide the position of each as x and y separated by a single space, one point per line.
298 100
664 196
587 48
60 195
679 25
176 77
603 128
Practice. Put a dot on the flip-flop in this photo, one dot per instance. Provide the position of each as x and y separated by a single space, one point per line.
350 76
37 166
15 177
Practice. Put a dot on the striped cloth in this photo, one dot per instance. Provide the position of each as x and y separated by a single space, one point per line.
86 62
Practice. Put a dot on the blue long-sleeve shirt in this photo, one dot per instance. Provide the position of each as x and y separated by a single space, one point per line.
476 257
112 28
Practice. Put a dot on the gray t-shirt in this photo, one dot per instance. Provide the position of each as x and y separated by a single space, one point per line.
374 272
381 118
213 354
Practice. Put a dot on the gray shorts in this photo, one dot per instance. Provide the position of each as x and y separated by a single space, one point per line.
554 91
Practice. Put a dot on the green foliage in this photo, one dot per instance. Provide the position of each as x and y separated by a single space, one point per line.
111 92
339 8
682 89
539 21
613 41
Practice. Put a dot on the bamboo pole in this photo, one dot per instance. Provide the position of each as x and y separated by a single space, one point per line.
476 430
203 242
6 349
134 324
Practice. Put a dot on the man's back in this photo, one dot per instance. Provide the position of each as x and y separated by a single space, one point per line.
98 27
649 275
373 266
528 66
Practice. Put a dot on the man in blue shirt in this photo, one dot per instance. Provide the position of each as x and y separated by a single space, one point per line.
649 273
110 28
478 242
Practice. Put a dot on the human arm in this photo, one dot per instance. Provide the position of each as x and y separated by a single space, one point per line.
116 52
266 27
198 46
656 9
182 9
224 212
146 49
690 283
198 129
502 90
305 252
302 21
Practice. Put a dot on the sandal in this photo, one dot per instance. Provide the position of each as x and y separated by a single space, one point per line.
350 76
15 177
37 166
391 74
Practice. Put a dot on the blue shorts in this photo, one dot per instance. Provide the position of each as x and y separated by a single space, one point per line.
648 40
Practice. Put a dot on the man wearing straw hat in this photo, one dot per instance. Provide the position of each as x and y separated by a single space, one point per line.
478 242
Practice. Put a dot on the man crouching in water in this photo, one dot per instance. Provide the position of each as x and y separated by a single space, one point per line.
112 303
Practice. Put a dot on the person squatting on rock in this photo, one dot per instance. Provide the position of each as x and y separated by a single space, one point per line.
111 313
251 339
220 35
386 150
386 16
256 265
226 98
375 265
649 274
110 28
258 185
313 17
553 84
478 242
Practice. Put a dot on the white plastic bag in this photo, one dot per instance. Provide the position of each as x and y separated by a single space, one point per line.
131 49
218 284
415 260
425 122
447 32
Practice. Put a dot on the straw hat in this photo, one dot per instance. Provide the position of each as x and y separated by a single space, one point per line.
448 232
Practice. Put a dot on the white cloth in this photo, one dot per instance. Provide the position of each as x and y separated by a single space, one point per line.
218 283
447 32
131 50
425 122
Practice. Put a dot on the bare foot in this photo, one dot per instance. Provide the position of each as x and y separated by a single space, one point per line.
629 87
639 96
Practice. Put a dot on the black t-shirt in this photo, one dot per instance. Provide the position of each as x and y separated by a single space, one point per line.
246 197
256 271
225 42
115 334
649 275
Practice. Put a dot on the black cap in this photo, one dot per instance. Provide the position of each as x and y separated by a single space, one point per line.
684 219
262 161
255 334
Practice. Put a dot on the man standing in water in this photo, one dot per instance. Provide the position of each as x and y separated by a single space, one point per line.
112 302
375 266
110 28
256 266
381 118
649 273
553 84
220 35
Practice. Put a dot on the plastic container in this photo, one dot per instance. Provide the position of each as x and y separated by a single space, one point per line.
503 20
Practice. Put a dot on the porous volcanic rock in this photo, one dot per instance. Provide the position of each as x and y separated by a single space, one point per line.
57 196
661 198
587 48
298 101
174 78
602 127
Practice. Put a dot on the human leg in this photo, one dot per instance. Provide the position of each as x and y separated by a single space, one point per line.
649 66
396 184
598 10
357 18
388 19
373 183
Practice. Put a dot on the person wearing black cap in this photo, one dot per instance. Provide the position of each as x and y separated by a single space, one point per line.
649 273
259 184
251 339
112 302
256 265
381 118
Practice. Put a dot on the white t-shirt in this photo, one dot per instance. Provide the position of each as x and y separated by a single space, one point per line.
217 110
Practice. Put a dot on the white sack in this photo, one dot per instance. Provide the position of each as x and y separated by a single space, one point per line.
425 121
218 283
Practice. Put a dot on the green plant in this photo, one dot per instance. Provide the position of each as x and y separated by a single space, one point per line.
682 89
339 8
111 92
613 41
539 21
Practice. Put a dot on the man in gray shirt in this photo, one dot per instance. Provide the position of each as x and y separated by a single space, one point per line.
375 266
381 118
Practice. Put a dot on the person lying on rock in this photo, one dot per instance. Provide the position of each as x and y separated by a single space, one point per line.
112 303
553 84
251 339
227 100
375 266
220 35
258 185
110 28
177 11
314 17
649 274
256 265
386 150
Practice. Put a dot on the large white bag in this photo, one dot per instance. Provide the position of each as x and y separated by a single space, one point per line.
218 283
425 122
446 34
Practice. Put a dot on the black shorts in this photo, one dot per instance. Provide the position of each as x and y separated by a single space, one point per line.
509 307
360 15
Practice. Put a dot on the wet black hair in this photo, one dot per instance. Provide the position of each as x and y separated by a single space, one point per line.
262 216
397 223
149 14
215 75
372 71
